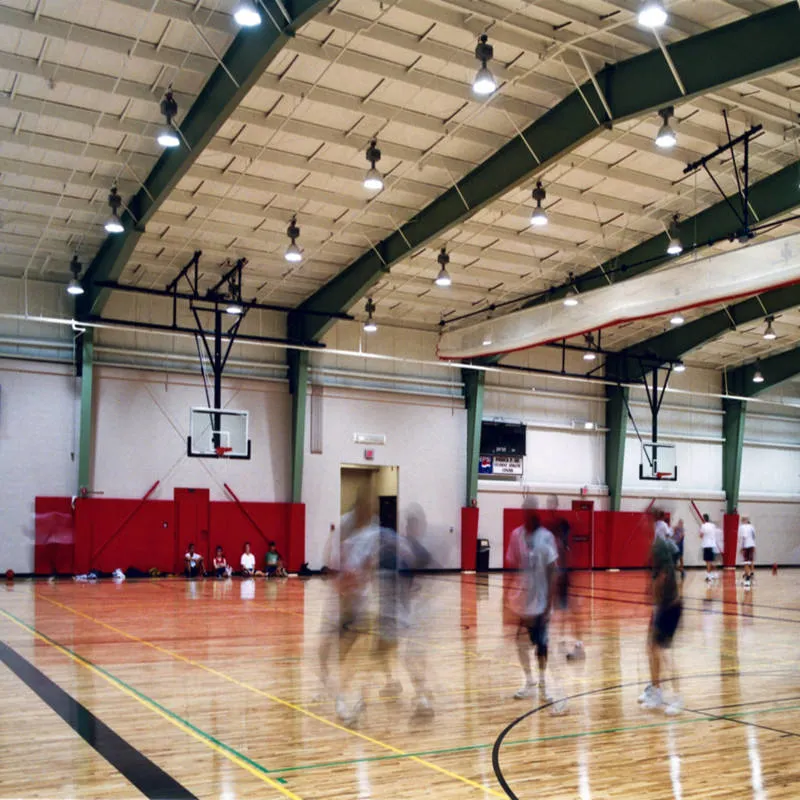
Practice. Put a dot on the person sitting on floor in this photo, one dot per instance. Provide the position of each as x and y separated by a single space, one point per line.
221 568
194 563
275 562
248 562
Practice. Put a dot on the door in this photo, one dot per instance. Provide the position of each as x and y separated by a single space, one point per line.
192 507
581 544
387 511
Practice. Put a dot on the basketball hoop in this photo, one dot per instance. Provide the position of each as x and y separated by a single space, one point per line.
222 452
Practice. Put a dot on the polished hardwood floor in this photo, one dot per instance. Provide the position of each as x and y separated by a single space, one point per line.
214 686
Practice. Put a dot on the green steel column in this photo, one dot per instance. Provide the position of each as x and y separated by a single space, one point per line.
617 425
298 386
733 431
474 382
85 432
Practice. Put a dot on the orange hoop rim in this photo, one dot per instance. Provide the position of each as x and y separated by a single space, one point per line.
222 452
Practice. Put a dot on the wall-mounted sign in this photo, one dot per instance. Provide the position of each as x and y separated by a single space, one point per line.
500 465
369 438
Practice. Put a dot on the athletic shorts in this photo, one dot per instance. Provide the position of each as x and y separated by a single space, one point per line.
748 553
538 632
665 623
708 554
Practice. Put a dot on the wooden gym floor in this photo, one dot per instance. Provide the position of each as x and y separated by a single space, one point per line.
175 689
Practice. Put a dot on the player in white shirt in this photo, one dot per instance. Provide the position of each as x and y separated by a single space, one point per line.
194 562
248 562
747 543
708 536
532 550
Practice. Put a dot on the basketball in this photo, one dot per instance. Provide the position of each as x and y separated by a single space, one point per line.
9 574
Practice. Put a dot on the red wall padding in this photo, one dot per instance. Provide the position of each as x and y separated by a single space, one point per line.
580 529
469 537
121 533
622 539
53 549
730 531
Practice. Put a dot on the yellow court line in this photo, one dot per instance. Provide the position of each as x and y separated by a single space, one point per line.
152 707
282 702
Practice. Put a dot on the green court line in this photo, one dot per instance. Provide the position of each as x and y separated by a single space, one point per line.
538 739
120 682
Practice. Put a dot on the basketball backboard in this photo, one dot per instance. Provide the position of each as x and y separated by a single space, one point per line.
218 433
658 462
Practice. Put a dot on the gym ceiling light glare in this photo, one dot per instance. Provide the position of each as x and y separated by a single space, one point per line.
679 366
373 180
674 245
247 15
113 224
769 333
571 300
666 138
233 308
168 136
757 376
539 215
652 14
74 287
677 319
443 278
484 83
370 326
293 253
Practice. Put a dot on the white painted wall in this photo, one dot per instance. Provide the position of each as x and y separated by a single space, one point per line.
425 438
141 425
38 404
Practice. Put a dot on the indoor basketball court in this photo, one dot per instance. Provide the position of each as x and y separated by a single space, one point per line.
399 398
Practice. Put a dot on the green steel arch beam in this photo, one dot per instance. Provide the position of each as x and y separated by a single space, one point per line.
244 62
757 45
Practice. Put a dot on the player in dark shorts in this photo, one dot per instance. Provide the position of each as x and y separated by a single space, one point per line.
561 532
663 624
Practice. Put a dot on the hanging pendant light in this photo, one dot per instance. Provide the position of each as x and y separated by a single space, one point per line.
539 215
589 355
484 83
769 333
666 138
247 15
674 245
373 180
74 287
679 366
652 14
443 278
114 224
571 299
293 253
370 326
168 136
757 376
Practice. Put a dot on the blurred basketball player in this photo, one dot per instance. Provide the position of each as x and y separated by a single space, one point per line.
664 621
678 536
352 563
533 550
708 536
747 543
565 603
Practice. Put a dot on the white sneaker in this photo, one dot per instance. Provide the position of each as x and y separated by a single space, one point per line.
349 716
423 706
675 706
577 653
655 700
528 690
648 690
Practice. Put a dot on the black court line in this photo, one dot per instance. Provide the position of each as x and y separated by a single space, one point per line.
146 776
498 743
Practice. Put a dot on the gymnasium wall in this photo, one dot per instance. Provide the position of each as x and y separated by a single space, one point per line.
38 407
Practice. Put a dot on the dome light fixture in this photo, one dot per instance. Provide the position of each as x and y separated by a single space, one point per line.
373 180
168 136
652 14
443 278
539 215
233 308
666 138
114 224
769 333
247 14
590 354
757 376
370 326
487 339
74 286
679 366
484 83
674 245
677 319
293 254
